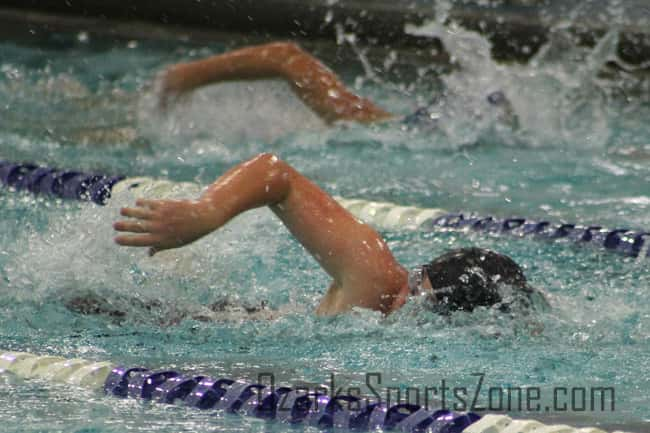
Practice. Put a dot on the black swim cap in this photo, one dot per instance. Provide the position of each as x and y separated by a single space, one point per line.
467 278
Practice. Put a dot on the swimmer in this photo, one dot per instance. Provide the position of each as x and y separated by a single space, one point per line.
363 270
67 100
316 85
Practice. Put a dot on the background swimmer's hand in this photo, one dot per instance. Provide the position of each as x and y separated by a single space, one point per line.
166 89
171 84
162 224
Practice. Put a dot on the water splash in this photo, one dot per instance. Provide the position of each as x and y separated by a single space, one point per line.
557 97
221 116
89 269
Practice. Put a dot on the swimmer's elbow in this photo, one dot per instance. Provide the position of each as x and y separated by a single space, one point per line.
277 175
289 47
272 162
286 50
267 157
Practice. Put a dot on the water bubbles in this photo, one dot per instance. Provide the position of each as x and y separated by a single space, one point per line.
227 120
11 72
83 37
390 60
329 16
580 337
557 94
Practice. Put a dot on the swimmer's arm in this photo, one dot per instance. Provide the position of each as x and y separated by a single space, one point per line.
316 85
364 271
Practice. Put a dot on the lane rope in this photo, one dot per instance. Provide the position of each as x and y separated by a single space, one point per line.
283 404
99 188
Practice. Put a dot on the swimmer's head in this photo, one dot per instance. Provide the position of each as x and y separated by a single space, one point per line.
467 278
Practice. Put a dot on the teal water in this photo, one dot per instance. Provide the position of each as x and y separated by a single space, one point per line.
581 154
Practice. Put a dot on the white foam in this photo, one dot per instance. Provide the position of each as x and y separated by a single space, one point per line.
557 96
217 117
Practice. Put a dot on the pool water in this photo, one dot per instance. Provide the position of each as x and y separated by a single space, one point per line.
581 153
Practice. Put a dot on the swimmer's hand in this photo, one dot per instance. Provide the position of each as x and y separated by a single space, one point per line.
171 84
163 224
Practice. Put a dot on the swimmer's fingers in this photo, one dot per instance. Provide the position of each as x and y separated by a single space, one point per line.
133 226
146 240
169 87
161 88
146 203
143 209
162 224
137 212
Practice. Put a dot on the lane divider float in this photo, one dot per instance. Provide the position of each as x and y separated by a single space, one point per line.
98 188
283 404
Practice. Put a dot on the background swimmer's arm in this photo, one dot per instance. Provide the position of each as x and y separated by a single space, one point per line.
364 270
316 85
